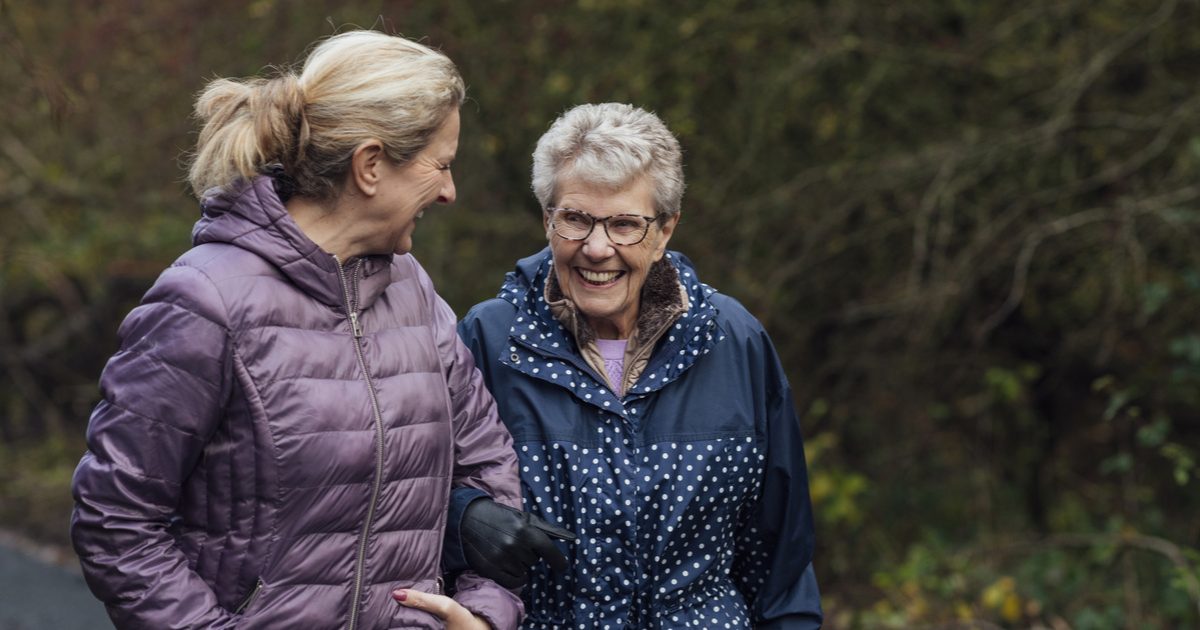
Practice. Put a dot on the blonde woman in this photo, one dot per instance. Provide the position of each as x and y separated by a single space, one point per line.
290 406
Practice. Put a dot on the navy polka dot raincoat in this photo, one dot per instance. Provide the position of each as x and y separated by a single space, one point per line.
689 493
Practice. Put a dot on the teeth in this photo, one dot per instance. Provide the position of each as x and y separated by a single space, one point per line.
599 276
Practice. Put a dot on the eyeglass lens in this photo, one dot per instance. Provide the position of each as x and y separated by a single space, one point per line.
622 229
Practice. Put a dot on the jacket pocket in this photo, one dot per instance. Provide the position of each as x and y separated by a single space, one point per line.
250 597
405 617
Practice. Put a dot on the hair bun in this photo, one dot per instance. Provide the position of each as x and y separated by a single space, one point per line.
280 123
284 93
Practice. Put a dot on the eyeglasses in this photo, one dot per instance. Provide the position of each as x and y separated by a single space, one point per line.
622 229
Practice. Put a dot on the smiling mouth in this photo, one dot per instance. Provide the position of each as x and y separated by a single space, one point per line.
599 278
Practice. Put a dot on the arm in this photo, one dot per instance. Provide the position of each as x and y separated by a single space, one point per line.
162 398
453 559
496 541
484 460
775 549
484 455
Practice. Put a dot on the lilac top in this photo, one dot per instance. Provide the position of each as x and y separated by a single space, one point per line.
613 353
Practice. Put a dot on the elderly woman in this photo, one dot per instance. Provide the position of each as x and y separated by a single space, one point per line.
649 412
290 406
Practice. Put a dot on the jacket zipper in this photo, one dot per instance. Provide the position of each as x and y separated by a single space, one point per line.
258 584
646 350
360 562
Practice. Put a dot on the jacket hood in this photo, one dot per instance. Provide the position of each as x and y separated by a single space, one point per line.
251 215
528 268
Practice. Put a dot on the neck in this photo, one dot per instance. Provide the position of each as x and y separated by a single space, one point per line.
619 328
328 224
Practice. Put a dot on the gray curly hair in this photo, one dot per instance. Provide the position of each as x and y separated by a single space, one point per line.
609 145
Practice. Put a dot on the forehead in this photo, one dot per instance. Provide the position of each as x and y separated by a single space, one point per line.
636 198
445 139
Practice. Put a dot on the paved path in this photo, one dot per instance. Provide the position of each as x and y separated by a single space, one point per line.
37 594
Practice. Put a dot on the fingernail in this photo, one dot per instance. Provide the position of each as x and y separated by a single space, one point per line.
400 595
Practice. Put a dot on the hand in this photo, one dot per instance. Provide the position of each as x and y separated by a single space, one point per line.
501 543
453 613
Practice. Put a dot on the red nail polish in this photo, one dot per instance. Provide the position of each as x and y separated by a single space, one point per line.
400 595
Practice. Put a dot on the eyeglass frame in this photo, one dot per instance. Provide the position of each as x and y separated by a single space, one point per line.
550 210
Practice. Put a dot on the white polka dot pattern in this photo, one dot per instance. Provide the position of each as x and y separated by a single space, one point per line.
659 527
665 526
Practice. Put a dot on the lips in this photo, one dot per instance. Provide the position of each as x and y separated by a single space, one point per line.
599 278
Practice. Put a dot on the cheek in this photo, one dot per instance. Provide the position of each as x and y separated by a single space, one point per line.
641 259
657 249
561 251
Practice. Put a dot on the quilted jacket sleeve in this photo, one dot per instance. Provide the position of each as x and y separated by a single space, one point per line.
775 549
484 459
162 397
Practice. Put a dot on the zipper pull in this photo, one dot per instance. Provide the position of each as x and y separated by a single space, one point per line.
258 584
354 325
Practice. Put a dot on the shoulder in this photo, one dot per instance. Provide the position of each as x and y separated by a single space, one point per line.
406 266
407 274
222 262
733 315
730 314
740 328
743 339
193 282
224 267
744 343
492 310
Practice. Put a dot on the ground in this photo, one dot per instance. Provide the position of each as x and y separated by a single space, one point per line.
42 588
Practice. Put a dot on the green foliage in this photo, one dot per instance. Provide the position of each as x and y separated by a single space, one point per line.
35 485
1052 582
837 494
969 226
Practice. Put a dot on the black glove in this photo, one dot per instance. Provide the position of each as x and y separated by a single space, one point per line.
501 543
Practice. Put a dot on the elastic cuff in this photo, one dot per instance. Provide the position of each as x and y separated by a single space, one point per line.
453 558
500 607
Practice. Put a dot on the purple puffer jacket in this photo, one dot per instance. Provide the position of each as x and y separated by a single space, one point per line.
278 438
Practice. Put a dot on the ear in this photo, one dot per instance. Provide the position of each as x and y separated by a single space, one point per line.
665 231
366 167
546 224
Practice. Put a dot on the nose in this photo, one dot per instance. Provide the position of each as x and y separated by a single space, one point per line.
447 194
597 245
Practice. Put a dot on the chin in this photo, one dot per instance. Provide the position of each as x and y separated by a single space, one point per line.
593 305
600 312
403 246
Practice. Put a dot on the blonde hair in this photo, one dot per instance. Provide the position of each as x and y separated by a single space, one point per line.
353 87
610 145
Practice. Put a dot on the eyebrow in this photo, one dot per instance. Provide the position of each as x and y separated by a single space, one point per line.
628 213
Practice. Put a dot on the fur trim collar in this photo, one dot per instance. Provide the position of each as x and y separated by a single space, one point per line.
663 301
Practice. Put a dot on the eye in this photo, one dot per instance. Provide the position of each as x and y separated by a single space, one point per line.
574 219
625 224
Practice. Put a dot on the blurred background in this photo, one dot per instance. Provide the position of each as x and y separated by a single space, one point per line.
970 227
